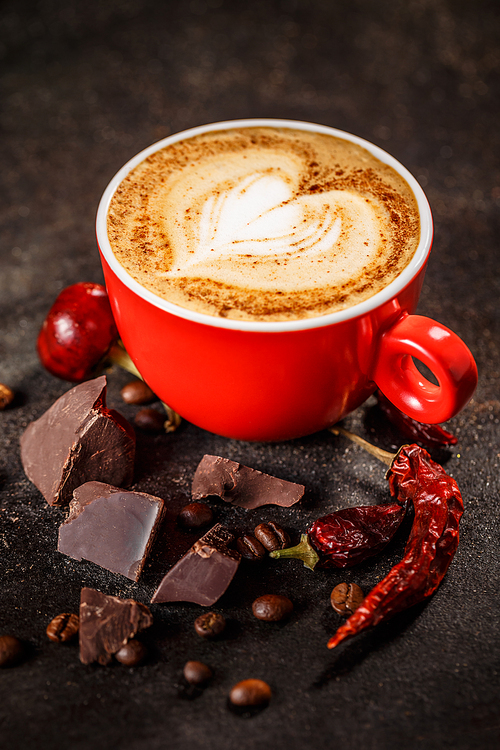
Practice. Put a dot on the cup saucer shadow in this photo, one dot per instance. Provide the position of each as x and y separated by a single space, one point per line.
354 652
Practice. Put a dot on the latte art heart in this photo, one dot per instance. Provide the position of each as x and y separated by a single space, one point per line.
263 224
260 216
244 231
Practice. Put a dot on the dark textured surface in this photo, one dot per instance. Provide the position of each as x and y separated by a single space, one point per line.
84 86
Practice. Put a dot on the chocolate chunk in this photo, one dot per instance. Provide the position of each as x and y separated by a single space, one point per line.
241 485
204 573
78 440
107 623
111 527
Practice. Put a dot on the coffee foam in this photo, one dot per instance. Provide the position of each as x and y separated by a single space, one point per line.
264 224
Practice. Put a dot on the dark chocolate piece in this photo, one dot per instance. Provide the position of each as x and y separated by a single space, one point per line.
107 623
204 573
111 527
78 440
241 485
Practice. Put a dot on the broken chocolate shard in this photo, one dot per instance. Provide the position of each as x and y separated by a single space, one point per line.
242 486
107 623
203 574
111 527
78 440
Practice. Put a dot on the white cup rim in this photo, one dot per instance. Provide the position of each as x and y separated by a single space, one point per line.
372 303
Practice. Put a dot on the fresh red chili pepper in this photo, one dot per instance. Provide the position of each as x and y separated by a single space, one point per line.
413 477
346 537
429 434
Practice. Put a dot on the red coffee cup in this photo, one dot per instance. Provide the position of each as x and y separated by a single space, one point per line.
281 380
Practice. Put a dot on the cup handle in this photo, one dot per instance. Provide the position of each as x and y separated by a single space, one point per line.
442 351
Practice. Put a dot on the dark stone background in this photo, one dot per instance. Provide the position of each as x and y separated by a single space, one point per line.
84 86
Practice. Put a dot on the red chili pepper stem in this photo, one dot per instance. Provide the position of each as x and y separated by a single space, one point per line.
302 551
118 355
385 456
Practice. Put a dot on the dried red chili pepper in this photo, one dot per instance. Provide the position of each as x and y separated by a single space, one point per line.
413 476
346 537
430 434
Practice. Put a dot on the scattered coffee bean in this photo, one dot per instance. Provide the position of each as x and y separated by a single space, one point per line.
11 650
271 536
150 420
195 515
346 598
272 607
6 396
137 392
250 548
132 653
197 673
210 625
63 628
250 693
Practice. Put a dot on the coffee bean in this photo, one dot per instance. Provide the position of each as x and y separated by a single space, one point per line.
272 607
250 693
11 650
197 673
132 653
250 548
137 392
6 396
346 598
62 628
210 625
271 536
150 420
194 515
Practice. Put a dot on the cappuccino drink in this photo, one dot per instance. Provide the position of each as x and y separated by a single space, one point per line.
263 223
